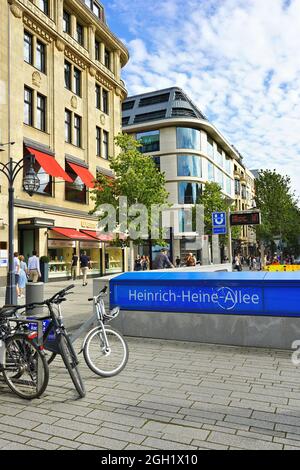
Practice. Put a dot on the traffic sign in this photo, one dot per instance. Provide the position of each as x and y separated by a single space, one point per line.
219 219
219 230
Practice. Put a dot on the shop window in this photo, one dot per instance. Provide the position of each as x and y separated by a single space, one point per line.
76 191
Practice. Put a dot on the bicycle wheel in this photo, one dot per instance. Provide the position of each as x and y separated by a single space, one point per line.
71 362
104 359
25 367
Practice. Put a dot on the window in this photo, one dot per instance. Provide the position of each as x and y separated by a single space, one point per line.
244 192
77 130
219 177
76 191
154 100
228 185
77 82
228 167
28 56
98 96
188 138
219 156
79 33
150 141
105 104
237 187
125 121
28 106
68 75
161 114
68 128
127 105
96 10
41 56
156 161
189 165
189 193
107 58
211 173
66 22
98 141
97 50
210 147
41 113
105 145
44 6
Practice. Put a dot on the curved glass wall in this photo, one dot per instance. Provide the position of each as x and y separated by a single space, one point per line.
189 165
189 193
211 173
188 138
228 164
210 147
150 141
219 157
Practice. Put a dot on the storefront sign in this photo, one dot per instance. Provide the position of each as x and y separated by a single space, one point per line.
61 244
271 294
3 263
85 224
94 244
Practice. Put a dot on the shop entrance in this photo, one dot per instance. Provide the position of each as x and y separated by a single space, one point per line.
27 243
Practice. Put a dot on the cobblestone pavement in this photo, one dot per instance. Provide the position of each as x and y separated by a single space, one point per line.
172 395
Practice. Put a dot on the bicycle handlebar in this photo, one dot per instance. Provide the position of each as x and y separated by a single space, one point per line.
103 291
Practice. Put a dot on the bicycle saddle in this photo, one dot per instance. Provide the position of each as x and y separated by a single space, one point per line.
6 312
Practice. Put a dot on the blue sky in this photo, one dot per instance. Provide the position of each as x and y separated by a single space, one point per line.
238 60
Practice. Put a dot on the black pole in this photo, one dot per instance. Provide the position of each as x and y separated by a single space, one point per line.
11 292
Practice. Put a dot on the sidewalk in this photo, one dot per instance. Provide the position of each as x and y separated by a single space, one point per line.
77 306
171 395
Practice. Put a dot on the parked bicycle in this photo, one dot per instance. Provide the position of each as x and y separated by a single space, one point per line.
60 342
22 363
104 349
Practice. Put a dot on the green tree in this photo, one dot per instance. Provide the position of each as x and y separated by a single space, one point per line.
279 209
136 177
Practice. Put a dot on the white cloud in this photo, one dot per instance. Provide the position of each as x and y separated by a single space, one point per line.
238 60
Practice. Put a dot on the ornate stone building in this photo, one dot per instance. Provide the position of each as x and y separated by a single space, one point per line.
60 100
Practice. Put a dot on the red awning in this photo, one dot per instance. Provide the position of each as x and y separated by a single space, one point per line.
73 234
104 237
50 165
84 174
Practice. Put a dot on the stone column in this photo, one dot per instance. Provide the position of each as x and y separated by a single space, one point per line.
91 41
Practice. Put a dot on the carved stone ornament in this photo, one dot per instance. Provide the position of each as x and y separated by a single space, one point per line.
60 46
92 71
36 79
118 92
16 10
102 119
74 102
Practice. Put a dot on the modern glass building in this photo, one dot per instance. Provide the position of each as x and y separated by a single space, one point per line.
189 149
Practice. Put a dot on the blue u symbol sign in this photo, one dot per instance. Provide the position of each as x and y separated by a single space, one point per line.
219 218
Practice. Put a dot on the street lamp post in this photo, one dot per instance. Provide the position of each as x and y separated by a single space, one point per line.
31 183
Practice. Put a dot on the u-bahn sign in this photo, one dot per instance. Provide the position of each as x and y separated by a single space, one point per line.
245 218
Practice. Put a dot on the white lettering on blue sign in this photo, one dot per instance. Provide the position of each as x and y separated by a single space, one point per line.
226 298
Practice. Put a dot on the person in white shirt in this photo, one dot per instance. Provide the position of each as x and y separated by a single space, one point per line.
17 272
34 267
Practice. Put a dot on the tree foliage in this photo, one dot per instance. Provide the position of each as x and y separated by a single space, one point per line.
136 177
279 209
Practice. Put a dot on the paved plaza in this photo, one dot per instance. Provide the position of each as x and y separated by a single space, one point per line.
172 395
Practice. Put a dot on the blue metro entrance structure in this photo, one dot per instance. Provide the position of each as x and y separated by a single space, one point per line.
254 293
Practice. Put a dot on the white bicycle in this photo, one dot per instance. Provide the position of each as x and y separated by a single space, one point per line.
104 349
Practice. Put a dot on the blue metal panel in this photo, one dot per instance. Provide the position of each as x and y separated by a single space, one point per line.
251 293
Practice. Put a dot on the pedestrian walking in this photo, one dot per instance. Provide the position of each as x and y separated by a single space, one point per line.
162 261
178 262
144 263
138 263
190 260
84 265
17 272
34 267
22 276
74 266
237 263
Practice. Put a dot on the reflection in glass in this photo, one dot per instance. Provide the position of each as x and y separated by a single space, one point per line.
189 193
210 147
188 138
189 165
150 141
211 173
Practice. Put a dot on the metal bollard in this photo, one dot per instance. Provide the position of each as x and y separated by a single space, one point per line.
34 293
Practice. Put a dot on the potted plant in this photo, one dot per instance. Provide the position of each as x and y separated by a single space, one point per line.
44 265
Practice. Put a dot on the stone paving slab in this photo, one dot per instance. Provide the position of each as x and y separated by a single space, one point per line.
221 403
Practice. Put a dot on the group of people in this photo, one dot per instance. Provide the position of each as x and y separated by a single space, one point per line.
253 262
26 272
142 263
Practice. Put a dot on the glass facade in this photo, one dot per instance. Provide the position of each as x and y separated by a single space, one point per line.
189 165
228 166
188 138
219 157
189 193
210 147
211 171
150 141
